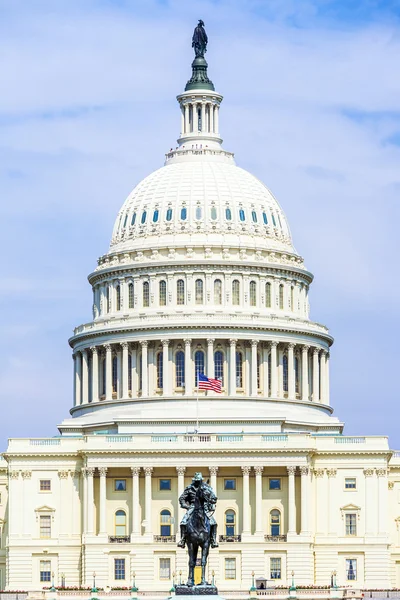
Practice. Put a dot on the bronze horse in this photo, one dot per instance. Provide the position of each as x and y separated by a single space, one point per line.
198 532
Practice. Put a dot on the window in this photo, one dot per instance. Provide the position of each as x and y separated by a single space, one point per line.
165 484
351 524
230 522
169 214
229 484
45 526
254 216
133 218
165 523
131 298
155 216
285 373
118 295
275 522
108 299
351 569
160 370
180 369
275 567
235 292
120 523
230 568
120 485
265 218
114 374
45 570
198 213
242 216
213 213
125 221
268 295
183 214
162 293
217 291
219 366
119 568
281 296
253 293
239 370
228 214
274 484
165 568
199 364
146 294
198 288
45 485
350 483
273 220
180 292
144 216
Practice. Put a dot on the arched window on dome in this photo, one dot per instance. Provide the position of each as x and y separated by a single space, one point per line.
253 293
162 289
168 216
269 374
129 372
131 297
239 369
235 292
159 370
133 219
183 214
125 221
144 217
213 213
297 375
146 294
199 364
198 213
228 214
120 523
198 291
273 219
275 522
230 523
281 296
114 374
165 523
180 369
254 216
219 366
265 218
268 295
217 291
155 215
292 298
285 373
180 292
118 296
242 215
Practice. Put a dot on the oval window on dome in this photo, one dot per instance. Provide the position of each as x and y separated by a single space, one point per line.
155 216
169 214
228 214
198 213
254 216
144 216
273 220
133 218
183 214
213 213
265 218
242 216
125 220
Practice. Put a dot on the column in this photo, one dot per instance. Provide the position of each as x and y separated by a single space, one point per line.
182 120
210 358
254 387
84 503
203 116
108 371
125 374
323 376
165 345
246 499
211 107
274 370
258 470
216 119
304 373
134 373
382 501
327 389
315 375
291 500
213 478
103 500
90 500
119 374
145 370
321 508
188 368
370 507
291 375
148 499
135 501
265 366
187 127
95 374
305 481
78 378
232 368
181 487
332 529
85 377
195 118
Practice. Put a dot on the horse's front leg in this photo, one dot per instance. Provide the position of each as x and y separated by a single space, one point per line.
192 549
204 555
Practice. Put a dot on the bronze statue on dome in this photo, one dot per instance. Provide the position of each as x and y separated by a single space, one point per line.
200 40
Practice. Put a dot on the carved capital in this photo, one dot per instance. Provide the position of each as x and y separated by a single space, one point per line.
274 344
89 471
331 472
304 471
381 472
124 345
254 343
107 347
316 351
14 474
63 474
246 470
74 474
319 472
93 349
258 470
291 346
148 471
213 470
135 471
187 341
26 474
210 341
103 471
181 470
305 348
291 470
368 472
233 342
165 343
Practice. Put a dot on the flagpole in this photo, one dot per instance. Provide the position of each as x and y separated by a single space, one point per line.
197 402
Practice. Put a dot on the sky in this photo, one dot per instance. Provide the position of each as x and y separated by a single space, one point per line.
88 108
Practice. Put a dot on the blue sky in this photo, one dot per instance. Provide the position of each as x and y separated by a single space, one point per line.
311 106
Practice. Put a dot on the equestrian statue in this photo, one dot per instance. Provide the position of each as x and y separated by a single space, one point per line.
198 526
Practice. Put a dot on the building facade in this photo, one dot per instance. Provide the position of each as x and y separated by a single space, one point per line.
201 277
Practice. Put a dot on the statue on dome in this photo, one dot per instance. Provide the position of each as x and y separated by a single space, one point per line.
200 40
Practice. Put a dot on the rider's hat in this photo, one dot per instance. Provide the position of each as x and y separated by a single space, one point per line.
198 477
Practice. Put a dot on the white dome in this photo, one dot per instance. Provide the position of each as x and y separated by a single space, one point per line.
198 200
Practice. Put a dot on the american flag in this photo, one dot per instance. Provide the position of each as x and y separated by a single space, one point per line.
206 383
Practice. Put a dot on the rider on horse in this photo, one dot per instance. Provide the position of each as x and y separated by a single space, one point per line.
187 499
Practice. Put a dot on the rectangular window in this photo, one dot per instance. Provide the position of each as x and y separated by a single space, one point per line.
45 526
275 565
119 568
351 524
120 485
230 568
165 568
165 484
351 569
274 484
45 570
229 484
350 483
45 485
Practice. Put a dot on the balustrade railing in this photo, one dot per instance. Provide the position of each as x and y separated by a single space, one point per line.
275 538
229 438
197 438
164 438
230 538
119 539
166 539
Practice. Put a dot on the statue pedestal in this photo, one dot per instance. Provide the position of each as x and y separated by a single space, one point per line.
196 590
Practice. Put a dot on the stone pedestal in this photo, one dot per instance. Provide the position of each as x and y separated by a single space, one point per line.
196 590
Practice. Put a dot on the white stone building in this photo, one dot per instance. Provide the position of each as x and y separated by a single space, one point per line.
201 276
